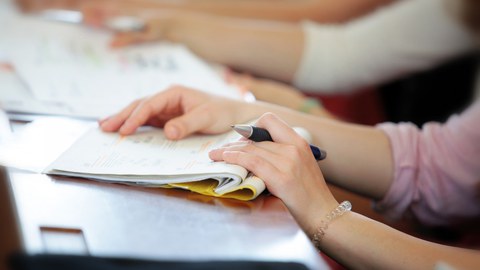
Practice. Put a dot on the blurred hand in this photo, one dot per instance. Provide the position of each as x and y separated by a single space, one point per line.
158 23
286 165
276 92
97 13
180 111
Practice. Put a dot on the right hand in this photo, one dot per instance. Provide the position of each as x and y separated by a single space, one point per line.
287 167
180 111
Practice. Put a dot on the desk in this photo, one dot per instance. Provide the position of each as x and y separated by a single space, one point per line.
72 216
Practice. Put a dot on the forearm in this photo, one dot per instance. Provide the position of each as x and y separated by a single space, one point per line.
377 48
359 157
269 49
286 10
361 243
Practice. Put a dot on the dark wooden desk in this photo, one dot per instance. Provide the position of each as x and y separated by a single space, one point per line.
43 214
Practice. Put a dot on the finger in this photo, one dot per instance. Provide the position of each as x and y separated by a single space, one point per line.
241 141
156 122
216 154
261 166
199 119
237 145
258 148
142 113
280 131
113 123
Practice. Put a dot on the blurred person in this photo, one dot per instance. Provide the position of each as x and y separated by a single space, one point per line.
405 37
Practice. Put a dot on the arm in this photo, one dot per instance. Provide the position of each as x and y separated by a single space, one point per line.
406 37
437 161
321 58
361 243
268 48
285 10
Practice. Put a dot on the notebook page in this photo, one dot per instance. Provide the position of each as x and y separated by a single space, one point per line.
146 153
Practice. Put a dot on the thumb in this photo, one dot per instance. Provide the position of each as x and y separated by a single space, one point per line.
196 120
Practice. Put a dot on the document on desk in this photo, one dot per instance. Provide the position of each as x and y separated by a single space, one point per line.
15 97
148 159
71 64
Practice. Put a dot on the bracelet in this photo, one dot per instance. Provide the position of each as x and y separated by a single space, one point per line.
308 104
341 209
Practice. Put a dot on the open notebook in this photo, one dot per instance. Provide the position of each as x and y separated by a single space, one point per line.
148 159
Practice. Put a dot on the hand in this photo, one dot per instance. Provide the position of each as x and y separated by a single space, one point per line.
276 92
181 111
158 23
97 13
288 168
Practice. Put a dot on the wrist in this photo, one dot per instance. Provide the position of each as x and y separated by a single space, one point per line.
170 29
317 212
309 209
320 229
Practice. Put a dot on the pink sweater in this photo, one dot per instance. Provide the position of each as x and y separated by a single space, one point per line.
437 170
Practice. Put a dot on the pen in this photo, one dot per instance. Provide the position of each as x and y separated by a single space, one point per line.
257 134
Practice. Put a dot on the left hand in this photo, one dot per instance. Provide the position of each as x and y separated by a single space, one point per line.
288 168
181 111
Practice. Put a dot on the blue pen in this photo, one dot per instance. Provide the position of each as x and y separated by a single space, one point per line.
257 134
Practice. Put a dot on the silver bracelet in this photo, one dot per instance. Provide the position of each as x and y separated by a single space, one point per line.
341 209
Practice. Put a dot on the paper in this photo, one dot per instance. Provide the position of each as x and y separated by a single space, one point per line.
16 98
78 148
5 130
73 66
146 157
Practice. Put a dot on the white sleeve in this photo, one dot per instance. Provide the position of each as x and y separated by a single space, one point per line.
410 36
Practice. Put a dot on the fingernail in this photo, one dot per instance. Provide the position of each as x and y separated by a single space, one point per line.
103 125
101 121
124 129
172 132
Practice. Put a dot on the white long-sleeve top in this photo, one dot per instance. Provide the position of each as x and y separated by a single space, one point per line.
406 37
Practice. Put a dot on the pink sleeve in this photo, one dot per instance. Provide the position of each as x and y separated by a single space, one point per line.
437 170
